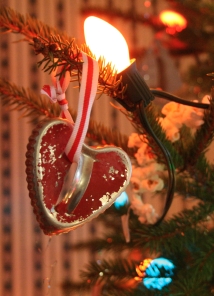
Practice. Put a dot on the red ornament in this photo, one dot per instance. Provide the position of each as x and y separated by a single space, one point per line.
101 176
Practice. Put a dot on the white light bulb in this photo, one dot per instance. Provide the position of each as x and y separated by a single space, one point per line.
106 41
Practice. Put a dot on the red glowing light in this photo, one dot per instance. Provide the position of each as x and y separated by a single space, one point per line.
147 3
173 20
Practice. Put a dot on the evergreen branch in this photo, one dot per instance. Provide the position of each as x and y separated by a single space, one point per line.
198 185
181 230
184 237
198 181
108 289
70 286
189 282
12 21
141 290
112 242
113 289
204 256
26 101
58 51
117 277
203 137
34 106
108 271
182 146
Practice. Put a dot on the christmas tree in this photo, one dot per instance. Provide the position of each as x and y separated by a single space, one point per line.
147 256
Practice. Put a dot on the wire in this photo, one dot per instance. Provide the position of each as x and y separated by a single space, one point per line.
168 96
170 167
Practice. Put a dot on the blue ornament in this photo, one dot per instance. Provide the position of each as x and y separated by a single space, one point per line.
121 201
154 278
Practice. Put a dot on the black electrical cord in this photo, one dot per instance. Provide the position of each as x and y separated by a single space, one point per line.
140 109
170 97
137 97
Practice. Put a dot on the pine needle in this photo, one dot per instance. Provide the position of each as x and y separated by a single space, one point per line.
12 21
57 48
203 136
36 106
26 101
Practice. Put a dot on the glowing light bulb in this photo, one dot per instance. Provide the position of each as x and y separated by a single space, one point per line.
121 201
173 20
106 41
156 273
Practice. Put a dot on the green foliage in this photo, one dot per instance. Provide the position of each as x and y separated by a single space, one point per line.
12 21
26 101
203 137
37 106
110 270
173 235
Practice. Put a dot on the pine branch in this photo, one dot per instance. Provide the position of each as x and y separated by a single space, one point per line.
173 235
108 289
108 271
67 54
189 282
58 53
198 181
26 101
12 21
69 286
46 41
34 106
196 184
118 277
203 136
193 274
204 256
114 242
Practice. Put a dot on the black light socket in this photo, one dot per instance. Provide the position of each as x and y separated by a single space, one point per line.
137 90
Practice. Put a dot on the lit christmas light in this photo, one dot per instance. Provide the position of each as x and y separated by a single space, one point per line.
121 201
156 283
104 40
156 273
173 20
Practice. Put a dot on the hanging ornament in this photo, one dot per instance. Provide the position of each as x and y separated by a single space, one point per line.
101 174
